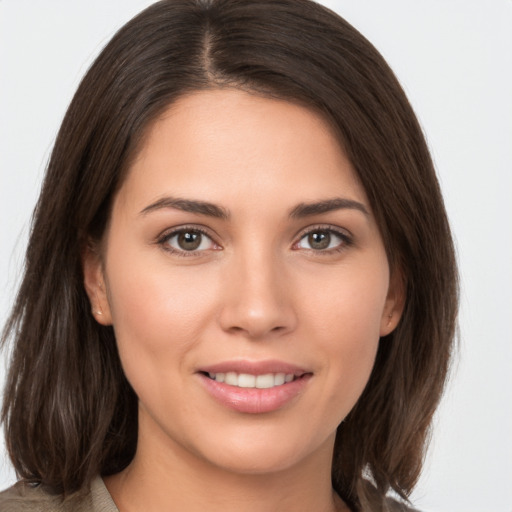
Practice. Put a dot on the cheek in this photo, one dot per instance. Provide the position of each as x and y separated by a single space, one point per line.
156 311
158 318
345 318
349 303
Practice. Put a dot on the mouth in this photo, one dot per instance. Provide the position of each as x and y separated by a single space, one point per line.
255 387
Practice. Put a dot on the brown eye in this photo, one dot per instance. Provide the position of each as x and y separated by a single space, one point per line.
319 240
323 240
188 241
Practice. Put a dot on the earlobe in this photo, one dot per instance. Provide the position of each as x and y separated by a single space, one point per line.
94 282
394 306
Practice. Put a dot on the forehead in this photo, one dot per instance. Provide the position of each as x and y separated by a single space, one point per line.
226 144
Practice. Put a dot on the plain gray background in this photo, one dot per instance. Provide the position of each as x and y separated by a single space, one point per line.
454 59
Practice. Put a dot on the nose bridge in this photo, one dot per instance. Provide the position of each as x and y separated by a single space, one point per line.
258 300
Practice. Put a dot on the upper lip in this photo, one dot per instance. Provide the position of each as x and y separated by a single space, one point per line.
254 367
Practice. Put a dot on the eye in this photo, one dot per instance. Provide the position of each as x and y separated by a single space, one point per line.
323 239
187 240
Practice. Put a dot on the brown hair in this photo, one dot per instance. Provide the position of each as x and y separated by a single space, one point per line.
69 412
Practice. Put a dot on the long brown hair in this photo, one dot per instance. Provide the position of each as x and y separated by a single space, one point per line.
68 410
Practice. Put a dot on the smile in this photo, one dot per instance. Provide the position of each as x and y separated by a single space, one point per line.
246 380
254 387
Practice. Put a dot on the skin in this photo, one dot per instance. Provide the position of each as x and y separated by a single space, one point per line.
255 289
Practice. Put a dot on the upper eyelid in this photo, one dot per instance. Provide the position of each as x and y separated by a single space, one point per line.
323 227
170 232
163 239
346 239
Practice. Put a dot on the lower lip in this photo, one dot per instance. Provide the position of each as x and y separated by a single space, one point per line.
254 400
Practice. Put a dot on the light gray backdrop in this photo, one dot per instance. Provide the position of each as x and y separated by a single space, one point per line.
454 58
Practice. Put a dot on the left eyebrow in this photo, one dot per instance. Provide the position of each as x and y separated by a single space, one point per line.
328 205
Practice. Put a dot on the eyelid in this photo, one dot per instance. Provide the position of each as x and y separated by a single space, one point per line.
169 233
342 233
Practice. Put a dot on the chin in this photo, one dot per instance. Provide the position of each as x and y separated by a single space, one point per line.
266 455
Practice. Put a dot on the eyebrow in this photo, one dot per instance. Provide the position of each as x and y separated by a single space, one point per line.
188 205
328 205
212 210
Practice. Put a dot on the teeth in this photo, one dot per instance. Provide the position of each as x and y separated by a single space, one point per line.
231 379
246 380
280 378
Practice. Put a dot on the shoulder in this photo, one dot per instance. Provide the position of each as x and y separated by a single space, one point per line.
24 497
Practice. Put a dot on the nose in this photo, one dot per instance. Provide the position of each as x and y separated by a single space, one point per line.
258 298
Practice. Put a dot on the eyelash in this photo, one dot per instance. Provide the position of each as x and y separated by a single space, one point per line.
346 240
163 240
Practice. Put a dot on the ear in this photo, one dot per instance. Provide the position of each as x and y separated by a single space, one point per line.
95 286
395 303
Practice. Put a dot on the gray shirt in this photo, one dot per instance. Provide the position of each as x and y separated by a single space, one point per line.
23 497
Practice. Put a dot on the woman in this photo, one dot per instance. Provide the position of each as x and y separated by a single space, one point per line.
240 287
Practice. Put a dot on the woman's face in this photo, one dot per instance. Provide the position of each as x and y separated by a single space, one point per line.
246 281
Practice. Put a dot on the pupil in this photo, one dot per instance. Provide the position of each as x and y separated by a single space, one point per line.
319 240
189 240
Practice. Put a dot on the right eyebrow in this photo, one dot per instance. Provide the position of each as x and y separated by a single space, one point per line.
188 205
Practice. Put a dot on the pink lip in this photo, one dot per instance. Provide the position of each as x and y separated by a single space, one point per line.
254 367
253 400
